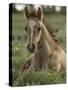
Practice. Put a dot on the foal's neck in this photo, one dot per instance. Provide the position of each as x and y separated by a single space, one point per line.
43 48
48 37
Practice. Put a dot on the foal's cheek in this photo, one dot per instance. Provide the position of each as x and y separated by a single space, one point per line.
38 36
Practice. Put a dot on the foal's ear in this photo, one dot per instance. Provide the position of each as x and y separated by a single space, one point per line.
26 12
40 13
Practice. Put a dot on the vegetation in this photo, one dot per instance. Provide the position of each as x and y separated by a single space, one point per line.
20 52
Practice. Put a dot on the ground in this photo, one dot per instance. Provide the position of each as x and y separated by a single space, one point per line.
20 52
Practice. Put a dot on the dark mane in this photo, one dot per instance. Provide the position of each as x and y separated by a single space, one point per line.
51 29
32 12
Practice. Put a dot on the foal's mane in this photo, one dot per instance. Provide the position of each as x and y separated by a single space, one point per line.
49 38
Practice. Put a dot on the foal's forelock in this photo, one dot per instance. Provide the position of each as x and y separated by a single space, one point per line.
32 24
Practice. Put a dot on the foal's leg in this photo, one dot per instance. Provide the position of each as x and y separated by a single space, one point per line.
27 64
56 67
56 63
45 64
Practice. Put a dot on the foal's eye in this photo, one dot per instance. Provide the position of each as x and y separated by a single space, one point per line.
25 28
39 29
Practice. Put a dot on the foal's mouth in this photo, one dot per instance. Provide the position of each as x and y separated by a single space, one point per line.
31 49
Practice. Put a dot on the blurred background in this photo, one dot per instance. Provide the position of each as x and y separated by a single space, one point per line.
46 8
55 21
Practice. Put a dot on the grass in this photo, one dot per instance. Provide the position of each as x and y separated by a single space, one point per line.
39 78
20 52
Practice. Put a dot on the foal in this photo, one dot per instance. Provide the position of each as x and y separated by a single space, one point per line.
46 52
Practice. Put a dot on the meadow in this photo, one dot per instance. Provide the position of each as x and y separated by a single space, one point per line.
20 52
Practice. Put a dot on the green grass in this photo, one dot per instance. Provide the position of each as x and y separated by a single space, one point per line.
20 52
39 78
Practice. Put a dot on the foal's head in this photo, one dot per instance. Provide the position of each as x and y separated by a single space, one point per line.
33 28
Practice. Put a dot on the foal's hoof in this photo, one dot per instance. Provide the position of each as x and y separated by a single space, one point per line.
22 68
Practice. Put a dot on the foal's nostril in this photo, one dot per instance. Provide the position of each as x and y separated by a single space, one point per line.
28 46
33 46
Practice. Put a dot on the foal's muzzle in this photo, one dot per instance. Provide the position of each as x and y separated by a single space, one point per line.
31 47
